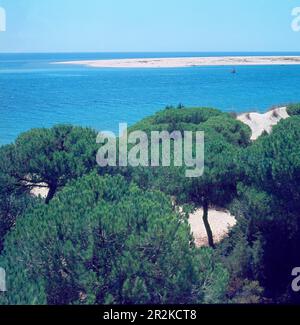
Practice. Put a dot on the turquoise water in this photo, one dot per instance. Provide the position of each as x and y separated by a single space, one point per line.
36 93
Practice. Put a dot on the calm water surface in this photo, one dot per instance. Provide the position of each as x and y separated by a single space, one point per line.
36 93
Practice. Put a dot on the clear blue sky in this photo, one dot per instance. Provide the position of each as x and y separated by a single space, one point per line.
149 25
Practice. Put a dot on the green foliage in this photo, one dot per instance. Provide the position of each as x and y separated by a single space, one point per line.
191 115
13 200
224 138
241 254
293 109
245 292
231 130
217 277
269 201
101 240
52 156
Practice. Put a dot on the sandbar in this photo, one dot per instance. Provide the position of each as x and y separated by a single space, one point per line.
188 62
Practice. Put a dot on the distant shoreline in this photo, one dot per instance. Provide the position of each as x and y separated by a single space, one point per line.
187 62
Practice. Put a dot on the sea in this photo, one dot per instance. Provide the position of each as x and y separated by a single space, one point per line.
35 92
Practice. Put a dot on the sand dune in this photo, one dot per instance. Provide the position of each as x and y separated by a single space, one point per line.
263 122
188 62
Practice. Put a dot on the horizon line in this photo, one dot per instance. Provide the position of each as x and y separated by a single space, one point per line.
117 52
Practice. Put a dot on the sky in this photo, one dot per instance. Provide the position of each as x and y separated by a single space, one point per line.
149 26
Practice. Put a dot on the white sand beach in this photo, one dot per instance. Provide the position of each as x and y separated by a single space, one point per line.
188 62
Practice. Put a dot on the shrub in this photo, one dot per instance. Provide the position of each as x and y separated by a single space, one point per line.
293 109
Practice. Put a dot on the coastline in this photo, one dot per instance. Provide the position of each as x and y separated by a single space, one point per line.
187 62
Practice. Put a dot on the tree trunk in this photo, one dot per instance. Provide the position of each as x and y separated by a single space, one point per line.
51 193
207 226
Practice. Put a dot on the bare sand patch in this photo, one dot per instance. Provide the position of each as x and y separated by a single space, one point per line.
260 123
41 190
221 221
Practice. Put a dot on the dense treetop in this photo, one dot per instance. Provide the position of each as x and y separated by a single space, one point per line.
293 109
51 156
101 240
224 139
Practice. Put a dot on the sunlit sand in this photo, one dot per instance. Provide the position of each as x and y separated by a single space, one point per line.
188 62
260 123
221 221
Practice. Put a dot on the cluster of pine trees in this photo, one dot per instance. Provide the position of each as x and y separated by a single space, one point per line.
115 236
